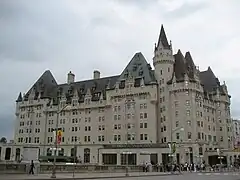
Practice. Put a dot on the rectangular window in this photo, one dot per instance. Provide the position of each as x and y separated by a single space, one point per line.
145 125
189 135
177 123
177 136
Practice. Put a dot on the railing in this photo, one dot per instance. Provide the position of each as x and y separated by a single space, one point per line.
20 168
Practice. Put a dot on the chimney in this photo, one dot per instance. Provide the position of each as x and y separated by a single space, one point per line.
70 78
96 74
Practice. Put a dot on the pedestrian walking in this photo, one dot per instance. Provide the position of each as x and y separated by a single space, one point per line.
31 168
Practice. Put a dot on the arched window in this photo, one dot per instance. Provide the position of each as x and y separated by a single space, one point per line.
86 155
8 154
17 155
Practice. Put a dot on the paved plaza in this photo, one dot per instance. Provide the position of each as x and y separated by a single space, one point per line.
132 176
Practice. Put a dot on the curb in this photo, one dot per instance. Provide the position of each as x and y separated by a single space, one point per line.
101 177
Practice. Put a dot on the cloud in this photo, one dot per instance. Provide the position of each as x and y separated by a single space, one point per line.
81 36
186 9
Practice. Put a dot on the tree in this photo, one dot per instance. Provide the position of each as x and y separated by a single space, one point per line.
3 140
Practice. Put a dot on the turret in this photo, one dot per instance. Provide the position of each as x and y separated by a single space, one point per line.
163 59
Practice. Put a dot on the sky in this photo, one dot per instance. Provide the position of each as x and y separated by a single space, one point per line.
84 35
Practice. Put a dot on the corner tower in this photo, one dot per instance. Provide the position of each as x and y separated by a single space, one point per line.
163 59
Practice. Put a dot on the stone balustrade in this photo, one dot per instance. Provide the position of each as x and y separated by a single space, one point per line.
21 168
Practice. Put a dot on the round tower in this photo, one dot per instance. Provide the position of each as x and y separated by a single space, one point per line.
163 59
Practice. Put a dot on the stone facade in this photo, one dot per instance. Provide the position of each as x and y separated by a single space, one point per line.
236 132
175 102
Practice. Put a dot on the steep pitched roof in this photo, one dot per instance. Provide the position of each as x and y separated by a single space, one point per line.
19 99
190 66
48 87
43 85
209 80
138 68
163 39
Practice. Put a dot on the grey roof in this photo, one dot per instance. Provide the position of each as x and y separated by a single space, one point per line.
191 68
19 99
163 39
42 86
138 68
47 87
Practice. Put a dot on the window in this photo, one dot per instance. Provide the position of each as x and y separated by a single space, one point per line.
199 135
177 136
145 115
187 102
177 123
189 135
220 128
117 137
188 112
101 138
145 125
198 123
87 138
141 125
221 138
176 103
176 113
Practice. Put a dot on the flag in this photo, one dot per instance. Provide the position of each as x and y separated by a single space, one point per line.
59 136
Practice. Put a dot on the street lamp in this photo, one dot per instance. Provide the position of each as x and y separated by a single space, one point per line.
171 144
67 106
127 153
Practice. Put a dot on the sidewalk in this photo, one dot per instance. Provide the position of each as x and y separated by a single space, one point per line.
67 176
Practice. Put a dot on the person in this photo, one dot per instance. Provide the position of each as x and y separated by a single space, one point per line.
31 168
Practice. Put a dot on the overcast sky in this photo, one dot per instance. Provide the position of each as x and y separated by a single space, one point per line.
83 35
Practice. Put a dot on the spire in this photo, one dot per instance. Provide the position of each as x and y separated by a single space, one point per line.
189 59
163 39
19 99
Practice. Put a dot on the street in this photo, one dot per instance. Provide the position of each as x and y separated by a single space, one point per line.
188 176
135 176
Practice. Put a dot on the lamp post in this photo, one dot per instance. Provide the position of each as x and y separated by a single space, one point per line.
56 140
220 157
127 153
74 160
171 145
128 103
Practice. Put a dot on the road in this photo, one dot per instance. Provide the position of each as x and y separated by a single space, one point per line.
189 176
150 176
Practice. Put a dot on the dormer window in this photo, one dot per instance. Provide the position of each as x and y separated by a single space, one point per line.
140 73
74 102
70 91
126 74
81 90
134 67
122 85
